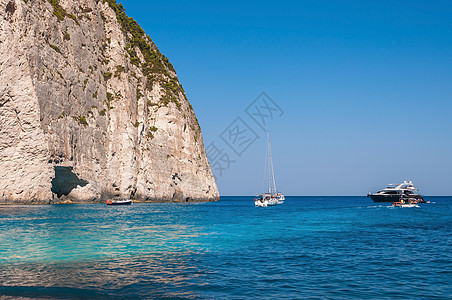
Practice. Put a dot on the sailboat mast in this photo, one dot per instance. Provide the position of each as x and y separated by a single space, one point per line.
273 177
269 162
271 171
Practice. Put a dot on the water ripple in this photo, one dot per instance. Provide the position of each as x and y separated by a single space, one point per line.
320 248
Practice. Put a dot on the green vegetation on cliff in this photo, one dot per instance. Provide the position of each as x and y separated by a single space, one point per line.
156 66
81 120
60 12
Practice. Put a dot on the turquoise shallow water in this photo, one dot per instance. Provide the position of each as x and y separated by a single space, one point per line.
310 247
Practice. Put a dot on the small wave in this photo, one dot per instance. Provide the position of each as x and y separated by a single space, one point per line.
376 206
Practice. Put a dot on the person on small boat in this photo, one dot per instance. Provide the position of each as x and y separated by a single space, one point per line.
402 199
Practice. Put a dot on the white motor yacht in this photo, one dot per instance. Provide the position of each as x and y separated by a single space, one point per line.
397 192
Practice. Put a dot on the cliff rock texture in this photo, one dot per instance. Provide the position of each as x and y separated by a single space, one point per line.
90 109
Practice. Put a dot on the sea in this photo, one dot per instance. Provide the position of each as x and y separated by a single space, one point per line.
308 247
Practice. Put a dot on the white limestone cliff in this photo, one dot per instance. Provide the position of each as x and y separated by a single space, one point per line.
90 109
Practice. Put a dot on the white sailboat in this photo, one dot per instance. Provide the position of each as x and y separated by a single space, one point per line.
272 196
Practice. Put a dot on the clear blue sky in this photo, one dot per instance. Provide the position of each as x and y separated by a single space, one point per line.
365 86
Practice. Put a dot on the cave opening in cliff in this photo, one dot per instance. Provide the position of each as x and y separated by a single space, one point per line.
65 181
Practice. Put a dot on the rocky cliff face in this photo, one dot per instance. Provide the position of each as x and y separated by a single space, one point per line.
90 109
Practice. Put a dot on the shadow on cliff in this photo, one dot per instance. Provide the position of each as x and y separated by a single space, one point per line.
65 181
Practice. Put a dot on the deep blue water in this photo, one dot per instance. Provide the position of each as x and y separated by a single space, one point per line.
309 247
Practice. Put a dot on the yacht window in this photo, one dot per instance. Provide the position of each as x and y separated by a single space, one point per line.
392 192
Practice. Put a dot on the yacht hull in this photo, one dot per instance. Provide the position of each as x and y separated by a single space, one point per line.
393 198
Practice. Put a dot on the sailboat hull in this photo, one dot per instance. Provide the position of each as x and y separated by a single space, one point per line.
265 200
260 204
272 202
